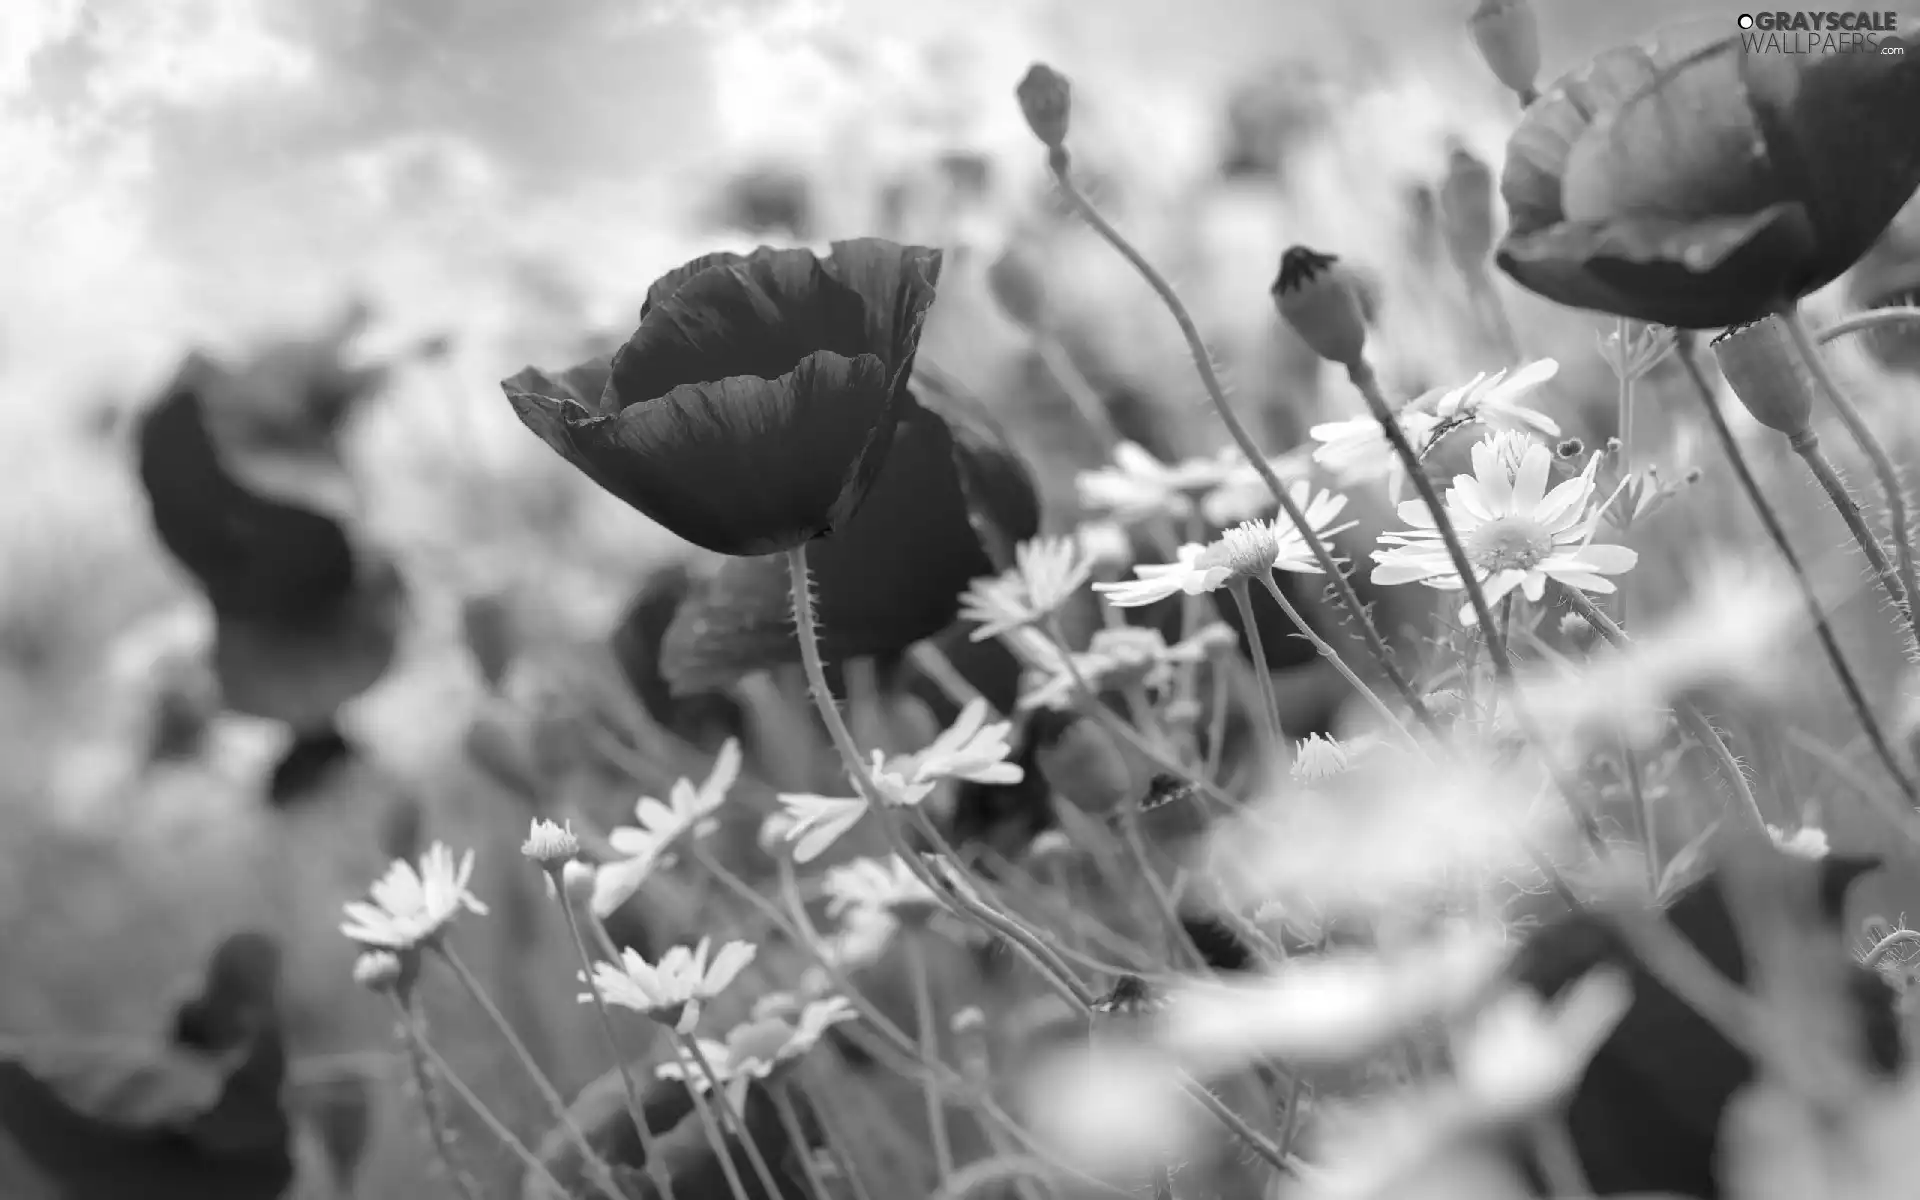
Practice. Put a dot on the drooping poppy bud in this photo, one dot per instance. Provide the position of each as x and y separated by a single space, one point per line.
1694 184
755 405
1466 210
1507 34
1017 285
1046 100
1764 367
1317 297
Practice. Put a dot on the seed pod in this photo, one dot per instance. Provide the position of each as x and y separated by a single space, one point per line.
1507 34
1765 370
1046 100
1316 296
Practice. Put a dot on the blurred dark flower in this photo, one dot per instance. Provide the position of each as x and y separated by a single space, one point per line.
1701 187
949 505
1507 34
767 200
1017 284
1466 210
195 1117
1086 767
489 626
1889 275
1320 300
755 405
1046 100
248 492
705 720
1647 1116
694 1169
1763 366
1269 115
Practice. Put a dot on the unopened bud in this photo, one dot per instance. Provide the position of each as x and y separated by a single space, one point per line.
378 970
550 846
488 626
1046 100
576 883
1087 769
1316 297
1765 370
1507 34
1466 210
1015 282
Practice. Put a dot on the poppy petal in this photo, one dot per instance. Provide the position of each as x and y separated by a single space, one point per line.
583 383
898 284
739 466
890 577
664 287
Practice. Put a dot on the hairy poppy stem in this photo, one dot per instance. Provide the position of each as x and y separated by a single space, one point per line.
1361 372
656 1168
1210 380
1729 445
1690 717
1900 582
1262 674
1807 445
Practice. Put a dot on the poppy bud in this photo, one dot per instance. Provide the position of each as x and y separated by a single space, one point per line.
1765 370
1316 297
487 624
1507 34
1086 769
1016 284
1046 100
1466 210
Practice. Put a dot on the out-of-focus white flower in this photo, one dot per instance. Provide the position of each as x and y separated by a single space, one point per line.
1329 1011
1806 842
1357 450
1246 551
1521 1056
819 821
1115 1112
672 990
549 845
1047 571
1105 543
758 1048
1129 653
878 885
411 908
687 812
1136 486
377 970
1516 534
1317 757
1244 495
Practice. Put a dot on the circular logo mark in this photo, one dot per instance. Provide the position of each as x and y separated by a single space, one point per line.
1746 21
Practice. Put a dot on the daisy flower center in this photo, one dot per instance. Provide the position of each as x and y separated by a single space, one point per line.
1508 544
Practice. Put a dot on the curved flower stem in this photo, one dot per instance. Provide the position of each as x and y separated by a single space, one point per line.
736 1121
797 1135
1361 373
1856 697
437 1131
1694 721
603 1174
1221 687
1888 944
1901 583
656 1167
1262 674
1339 664
1807 445
929 1039
987 1173
1210 380
1893 314
939 670
1168 907
1086 402
418 1039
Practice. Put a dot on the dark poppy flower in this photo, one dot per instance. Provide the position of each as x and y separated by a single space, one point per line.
755 405
1696 184
197 1117
248 493
1889 276
1647 1115
705 720
951 502
693 1168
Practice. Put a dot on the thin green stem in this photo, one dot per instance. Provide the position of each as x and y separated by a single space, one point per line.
1873 318
933 663
1361 373
1823 629
797 1136
716 1138
1690 717
837 1144
437 1131
1339 664
1262 674
1210 380
656 1167
418 1038
929 1038
1081 394
1893 492
736 1121
1221 688
541 1083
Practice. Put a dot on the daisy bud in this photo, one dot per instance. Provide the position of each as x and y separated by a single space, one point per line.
1316 297
1015 282
774 833
1251 548
1466 210
378 970
1507 34
1317 758
1046 100
1577 629
1766 372
1087 769
550 846
1106 543
576 884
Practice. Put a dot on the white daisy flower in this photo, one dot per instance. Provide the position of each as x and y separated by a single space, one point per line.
758 1048
1247 550
688 811
672 990
1244 495
1104 544
1357 450
878 885
1047 571
1516 533
409 908
548 844
819 821
1128 652
1136 486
